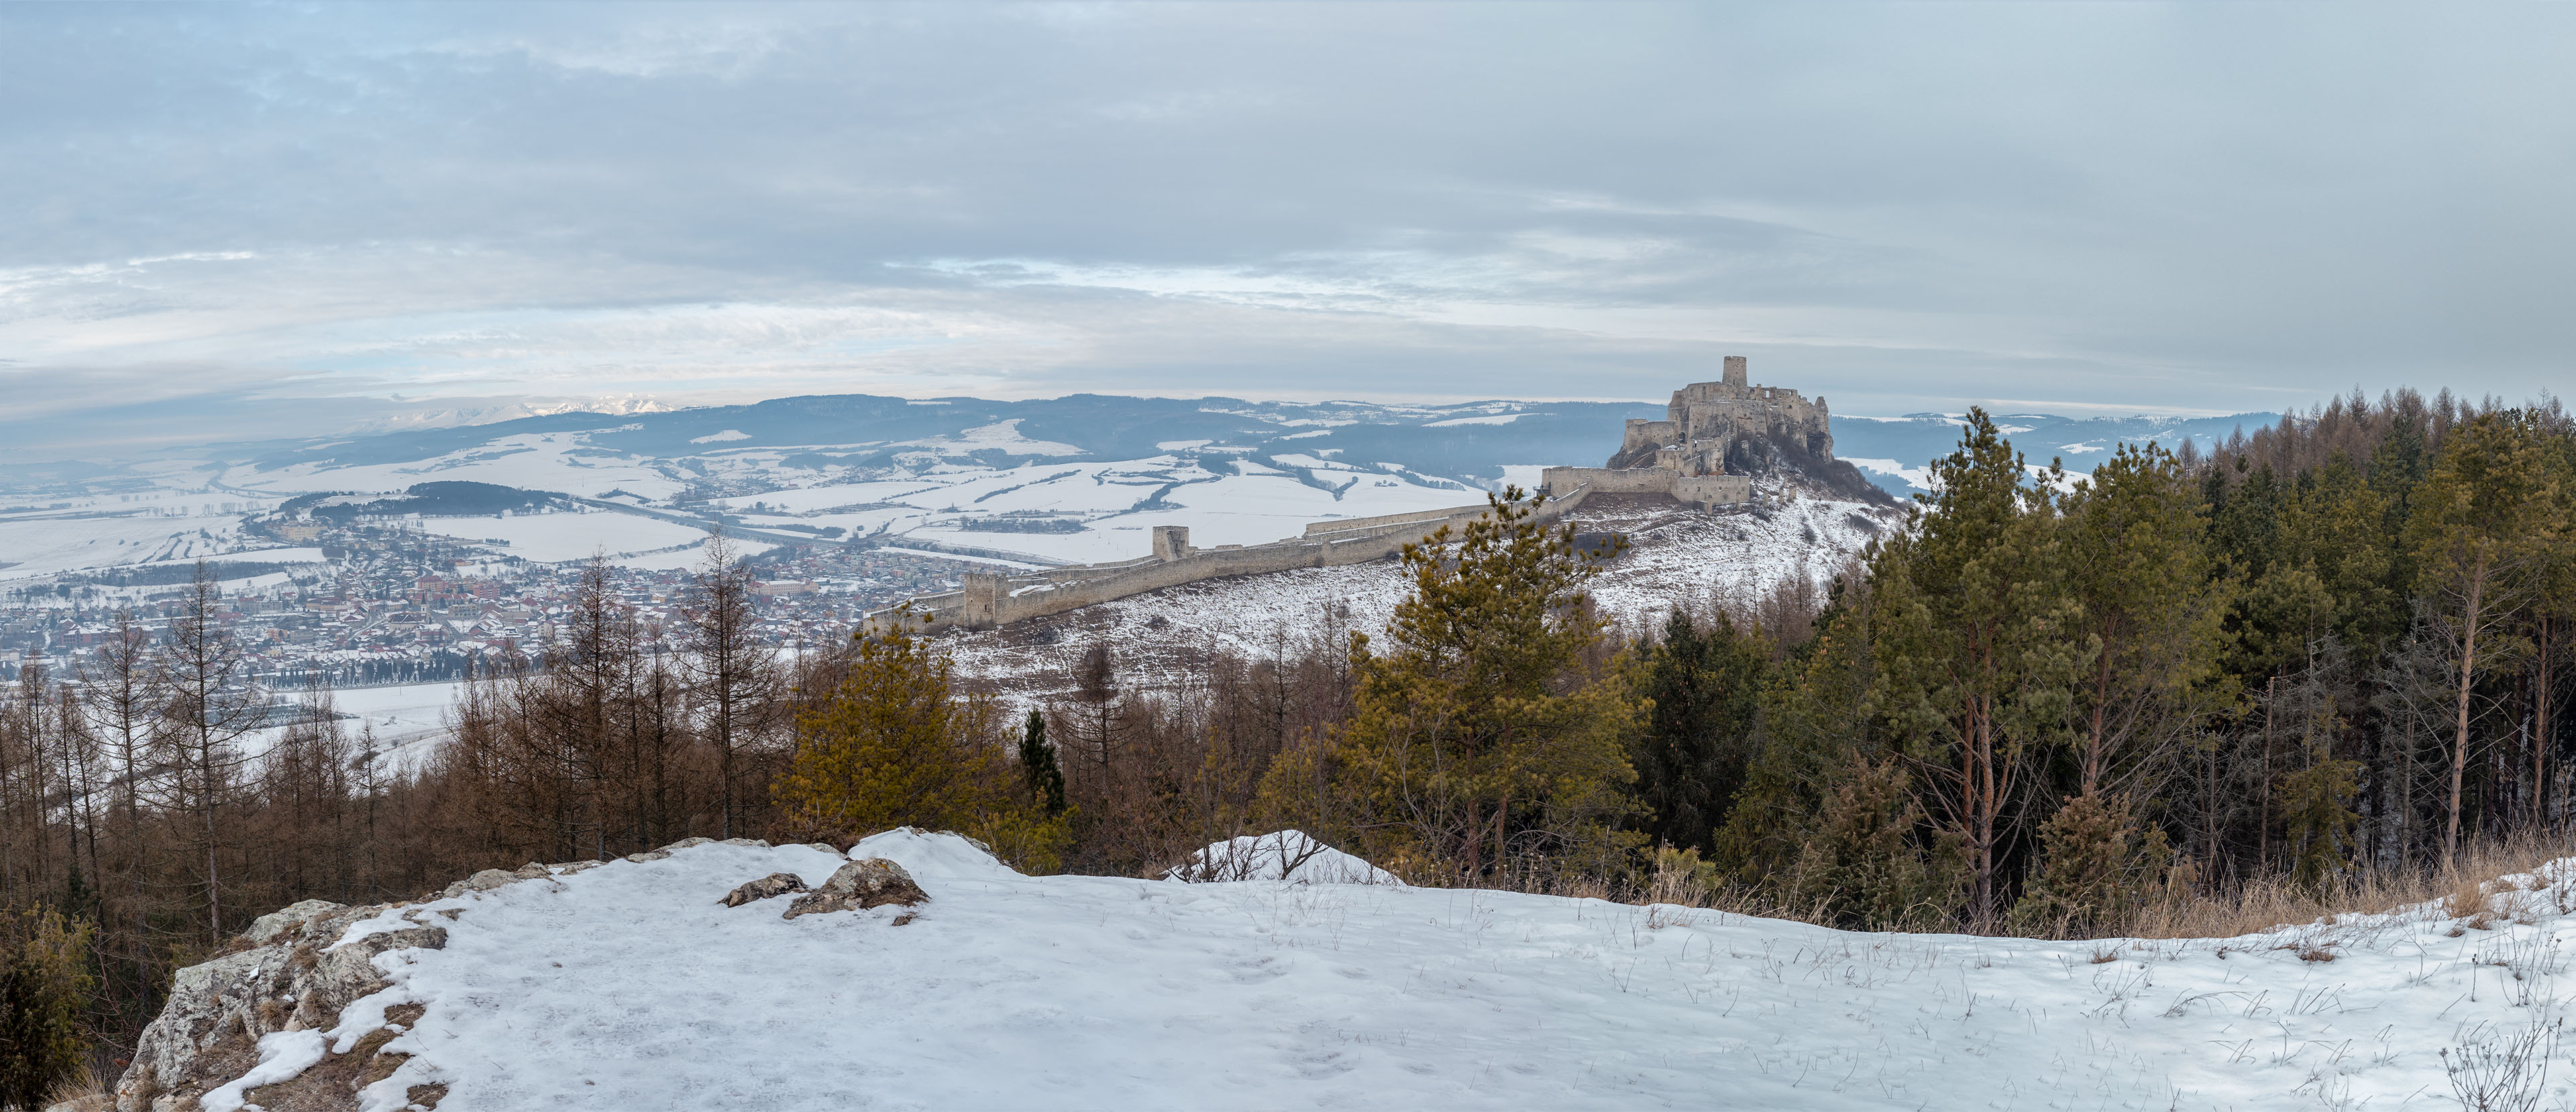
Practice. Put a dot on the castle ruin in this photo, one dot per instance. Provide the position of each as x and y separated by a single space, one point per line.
1712 439
1715 435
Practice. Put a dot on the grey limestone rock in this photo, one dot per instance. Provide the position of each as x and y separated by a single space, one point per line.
775 884
291 974
488 880
267 927
873 882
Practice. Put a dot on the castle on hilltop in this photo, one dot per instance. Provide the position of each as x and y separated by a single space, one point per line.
1713 437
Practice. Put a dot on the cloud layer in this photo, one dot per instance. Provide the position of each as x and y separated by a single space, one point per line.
282 218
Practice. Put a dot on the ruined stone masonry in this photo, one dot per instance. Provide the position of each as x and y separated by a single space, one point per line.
1712 439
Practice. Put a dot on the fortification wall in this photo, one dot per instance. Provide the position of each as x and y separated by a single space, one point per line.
988 600
1713 490
1361 524
1608 480
1648 434
1708 491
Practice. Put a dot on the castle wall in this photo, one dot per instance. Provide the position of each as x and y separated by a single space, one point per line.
1608 480
1648 434
1365 524
1701 490
1713 490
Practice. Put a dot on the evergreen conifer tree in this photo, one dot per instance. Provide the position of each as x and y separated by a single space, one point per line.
1706 685
1481 746
1976 645
2096 861
1038 765
44 984
895 746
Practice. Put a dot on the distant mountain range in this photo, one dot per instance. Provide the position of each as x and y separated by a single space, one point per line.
1476 444
1077 479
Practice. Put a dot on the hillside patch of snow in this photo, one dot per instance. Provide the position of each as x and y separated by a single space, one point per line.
1489 419
1160 639
1288 855
1920 478
1002 435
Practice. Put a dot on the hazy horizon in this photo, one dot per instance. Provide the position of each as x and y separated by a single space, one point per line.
244 222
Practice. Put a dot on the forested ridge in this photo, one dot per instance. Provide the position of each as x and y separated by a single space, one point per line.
2055 704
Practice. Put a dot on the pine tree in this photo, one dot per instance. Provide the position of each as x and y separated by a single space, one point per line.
1480 749
1706 686
896 746
2153 611
1976 645
1866 866
893 747
2096 861
2482 523
1038 766
1815 727
44 985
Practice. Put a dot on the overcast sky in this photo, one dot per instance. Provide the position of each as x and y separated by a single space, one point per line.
287 218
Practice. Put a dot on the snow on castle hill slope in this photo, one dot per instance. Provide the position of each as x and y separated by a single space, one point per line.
627 987
1675 555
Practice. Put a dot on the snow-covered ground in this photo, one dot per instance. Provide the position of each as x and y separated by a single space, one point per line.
39 546
563 462
1114 504
1675 556
628 987
554 538
402 716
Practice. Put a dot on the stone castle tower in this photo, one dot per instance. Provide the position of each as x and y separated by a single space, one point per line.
1713 436
1712 428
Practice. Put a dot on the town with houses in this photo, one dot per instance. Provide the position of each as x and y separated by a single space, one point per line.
383 604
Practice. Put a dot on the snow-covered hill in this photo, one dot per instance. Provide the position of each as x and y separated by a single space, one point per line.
629 987
1676 556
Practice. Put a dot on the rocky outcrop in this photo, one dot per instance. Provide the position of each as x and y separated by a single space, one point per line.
296 970
775 884
874 882
290 972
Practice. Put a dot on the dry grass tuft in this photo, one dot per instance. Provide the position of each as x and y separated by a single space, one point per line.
2487 883
2468 898
83 1091
2463 889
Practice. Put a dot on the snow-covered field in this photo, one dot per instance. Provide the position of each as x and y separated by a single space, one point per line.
38 546
553 538
403 716
628 987
1676 556
563 462
1114 503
